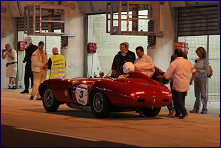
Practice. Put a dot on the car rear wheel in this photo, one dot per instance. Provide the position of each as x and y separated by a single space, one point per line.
100 105
49 101
151 112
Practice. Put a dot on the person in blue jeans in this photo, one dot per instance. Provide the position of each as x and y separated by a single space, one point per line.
200 81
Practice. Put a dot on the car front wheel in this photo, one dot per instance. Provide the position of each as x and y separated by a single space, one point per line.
49 101
100 105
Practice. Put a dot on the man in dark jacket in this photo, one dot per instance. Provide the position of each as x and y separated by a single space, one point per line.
119 60
30 48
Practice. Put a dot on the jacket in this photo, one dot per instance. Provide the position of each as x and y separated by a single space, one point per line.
37 62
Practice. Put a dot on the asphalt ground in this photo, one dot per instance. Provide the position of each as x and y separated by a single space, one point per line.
27 122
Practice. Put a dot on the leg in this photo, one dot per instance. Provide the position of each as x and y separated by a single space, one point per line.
26 79
197 95
176 103
182 103
42 78
204 99
36 84
32 79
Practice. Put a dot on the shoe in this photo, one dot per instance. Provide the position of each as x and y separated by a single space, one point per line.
194 111
31 98
14 87
25 91
9 87
183 116
171 113
38 99
204 112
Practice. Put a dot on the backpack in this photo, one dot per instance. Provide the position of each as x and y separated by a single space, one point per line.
210 71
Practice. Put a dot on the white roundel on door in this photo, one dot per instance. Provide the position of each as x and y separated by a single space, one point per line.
81 94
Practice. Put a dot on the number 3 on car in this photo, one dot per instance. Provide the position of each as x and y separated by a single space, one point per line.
81 94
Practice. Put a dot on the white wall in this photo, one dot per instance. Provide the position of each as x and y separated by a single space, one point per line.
74 52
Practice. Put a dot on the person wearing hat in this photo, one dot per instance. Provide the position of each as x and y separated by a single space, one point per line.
39 64
30 48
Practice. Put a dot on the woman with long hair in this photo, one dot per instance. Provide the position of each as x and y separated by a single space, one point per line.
200 81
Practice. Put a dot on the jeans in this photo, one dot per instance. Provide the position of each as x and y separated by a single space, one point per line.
200 88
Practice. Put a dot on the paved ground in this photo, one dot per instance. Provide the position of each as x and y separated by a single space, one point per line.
127 128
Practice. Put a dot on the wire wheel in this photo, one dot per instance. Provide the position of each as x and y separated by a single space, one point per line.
49 101
100 105
98 102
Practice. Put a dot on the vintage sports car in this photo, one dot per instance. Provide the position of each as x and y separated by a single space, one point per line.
134 91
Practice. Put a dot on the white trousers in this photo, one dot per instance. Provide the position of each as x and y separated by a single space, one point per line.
38 78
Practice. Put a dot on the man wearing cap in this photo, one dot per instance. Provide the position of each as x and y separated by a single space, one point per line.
56 63
39 64
30 48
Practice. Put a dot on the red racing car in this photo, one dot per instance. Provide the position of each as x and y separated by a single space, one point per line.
104 95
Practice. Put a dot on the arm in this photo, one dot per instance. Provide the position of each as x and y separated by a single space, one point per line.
192 78
3 54
35 61
11 55
205 67
170 71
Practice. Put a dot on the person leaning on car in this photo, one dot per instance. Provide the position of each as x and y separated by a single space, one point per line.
56 63
180 69
119 60
39 61
144 63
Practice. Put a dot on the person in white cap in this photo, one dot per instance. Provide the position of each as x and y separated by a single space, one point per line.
30 48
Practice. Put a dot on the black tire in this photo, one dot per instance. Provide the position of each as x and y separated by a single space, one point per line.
149 112
100 105
49 101
68 104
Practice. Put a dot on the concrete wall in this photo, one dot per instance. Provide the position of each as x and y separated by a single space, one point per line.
108 45
75 51
8 32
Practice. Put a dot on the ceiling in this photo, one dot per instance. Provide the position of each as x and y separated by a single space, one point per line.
16 8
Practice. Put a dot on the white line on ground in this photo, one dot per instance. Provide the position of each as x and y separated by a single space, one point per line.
58 134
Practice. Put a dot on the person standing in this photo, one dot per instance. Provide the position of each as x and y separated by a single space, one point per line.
39 64
177 46
180 70
56 63
11 64
131 53
30 48
144 63
200 81
119 60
